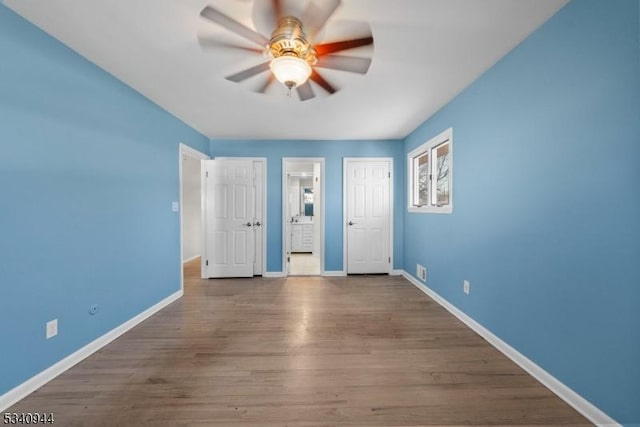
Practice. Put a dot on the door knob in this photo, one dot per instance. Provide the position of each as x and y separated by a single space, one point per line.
351 223
257 224
248 224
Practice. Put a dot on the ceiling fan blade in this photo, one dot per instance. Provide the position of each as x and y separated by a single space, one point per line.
266 84
316 17
249 72
316 77
233 25
352 64
211 43
305 91
328 48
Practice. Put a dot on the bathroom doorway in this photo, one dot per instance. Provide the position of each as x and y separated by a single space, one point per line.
303 216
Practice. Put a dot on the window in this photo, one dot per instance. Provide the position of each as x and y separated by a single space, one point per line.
430 169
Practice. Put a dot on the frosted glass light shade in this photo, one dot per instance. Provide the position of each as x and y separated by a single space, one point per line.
290 70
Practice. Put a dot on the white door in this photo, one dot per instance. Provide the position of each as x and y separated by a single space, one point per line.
230 214
368 215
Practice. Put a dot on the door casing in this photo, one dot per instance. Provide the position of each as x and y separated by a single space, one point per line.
285 209
185 150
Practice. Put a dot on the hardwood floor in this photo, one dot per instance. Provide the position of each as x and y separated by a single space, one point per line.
304 351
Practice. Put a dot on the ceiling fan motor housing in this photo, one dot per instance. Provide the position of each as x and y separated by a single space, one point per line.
289 39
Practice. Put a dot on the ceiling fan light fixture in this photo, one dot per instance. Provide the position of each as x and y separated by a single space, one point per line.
290 70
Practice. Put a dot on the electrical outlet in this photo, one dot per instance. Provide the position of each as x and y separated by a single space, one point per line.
466 287
52 328
421 272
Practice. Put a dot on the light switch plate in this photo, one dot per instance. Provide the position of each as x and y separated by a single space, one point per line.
175 206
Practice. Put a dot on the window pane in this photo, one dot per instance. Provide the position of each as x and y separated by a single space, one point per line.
442 186
421 165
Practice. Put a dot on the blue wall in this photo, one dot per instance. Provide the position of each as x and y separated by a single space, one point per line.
88 171
546 221
333 152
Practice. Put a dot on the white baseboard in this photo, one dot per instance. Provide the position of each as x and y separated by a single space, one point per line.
274 274
579 403
339 273
336 273
191 259
23 390
277 274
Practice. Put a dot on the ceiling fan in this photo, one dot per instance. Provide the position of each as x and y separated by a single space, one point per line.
292 56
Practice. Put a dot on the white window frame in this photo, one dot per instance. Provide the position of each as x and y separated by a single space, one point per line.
429 148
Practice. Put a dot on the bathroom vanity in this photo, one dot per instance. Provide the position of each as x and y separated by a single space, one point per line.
302 235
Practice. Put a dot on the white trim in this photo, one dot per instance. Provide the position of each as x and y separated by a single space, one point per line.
23 390
336 273
284 195
265 194
579 403
203 221
192 152
442 137
185 150
285 191
391 208
396 272
190 259
346 160
273 274
263 160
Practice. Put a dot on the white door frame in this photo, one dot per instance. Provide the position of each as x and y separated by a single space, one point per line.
185 150
262 160
285 208
345 161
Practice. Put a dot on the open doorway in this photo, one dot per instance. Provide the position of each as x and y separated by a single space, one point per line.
190 205
303 216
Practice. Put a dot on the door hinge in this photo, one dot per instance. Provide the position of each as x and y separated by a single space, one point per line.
288 259
389 260
207 175
389 174
207 262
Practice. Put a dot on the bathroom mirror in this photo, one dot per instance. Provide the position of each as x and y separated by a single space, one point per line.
307 201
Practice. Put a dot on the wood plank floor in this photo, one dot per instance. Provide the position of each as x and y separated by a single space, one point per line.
305 351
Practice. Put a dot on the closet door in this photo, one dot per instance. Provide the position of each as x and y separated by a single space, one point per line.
368 205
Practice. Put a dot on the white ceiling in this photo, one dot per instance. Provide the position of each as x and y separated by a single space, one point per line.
425 52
